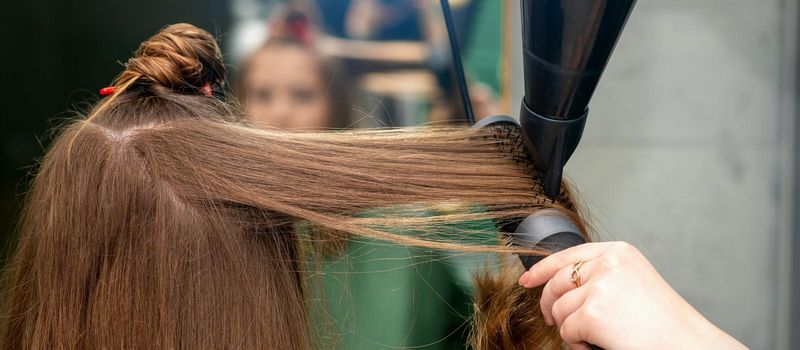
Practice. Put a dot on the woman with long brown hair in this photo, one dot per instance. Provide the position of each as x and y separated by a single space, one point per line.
161 220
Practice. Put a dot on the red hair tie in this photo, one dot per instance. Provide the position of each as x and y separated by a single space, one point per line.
106 91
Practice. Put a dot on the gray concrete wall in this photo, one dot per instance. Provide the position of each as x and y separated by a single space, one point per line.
687 154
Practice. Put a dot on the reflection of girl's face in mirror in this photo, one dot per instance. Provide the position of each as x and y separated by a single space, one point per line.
284 88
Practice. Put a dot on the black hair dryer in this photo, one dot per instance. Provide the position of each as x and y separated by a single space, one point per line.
567 44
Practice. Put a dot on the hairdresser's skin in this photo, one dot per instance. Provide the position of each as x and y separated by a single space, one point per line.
285 89
622 303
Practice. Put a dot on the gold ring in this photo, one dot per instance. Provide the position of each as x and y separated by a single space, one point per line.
575 277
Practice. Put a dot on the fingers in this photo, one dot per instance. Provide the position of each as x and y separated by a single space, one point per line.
545 269
566 305
559 285
572 330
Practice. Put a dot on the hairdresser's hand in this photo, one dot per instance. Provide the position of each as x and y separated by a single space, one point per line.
622 302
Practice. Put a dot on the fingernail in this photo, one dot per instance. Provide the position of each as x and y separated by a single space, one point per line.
548 321
524 278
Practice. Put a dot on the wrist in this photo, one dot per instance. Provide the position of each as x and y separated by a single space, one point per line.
707 335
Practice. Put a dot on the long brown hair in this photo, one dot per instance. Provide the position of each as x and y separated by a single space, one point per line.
161 220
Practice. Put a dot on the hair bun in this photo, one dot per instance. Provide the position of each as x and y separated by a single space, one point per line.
180 57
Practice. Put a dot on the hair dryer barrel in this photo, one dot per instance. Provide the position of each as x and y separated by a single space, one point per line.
567 44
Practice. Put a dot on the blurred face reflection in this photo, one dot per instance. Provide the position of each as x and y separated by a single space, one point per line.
284 88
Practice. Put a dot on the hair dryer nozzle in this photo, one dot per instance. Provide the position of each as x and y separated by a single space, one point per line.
550 143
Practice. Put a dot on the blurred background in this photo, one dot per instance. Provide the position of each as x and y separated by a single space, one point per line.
690 149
